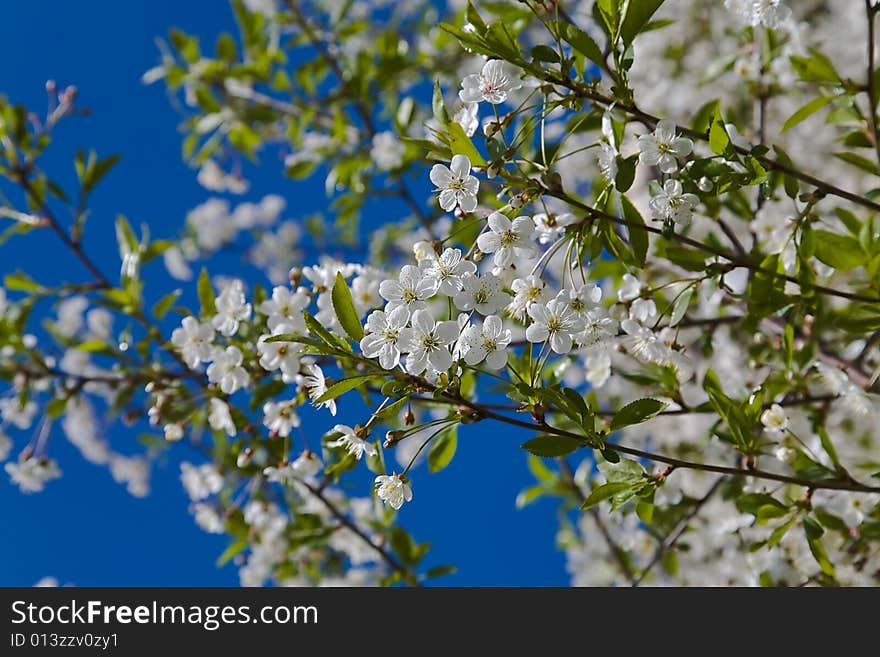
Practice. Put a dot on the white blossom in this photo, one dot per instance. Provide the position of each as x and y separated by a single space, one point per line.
428 343
195 340
487 343
492 84
351 442
316 385
387 151
232 308
220 418
483 293
382 339
411 291
672 204
448 270
32 474
200 481
555 322
280 417
775 420
508 239
226 370
662 147
456 184
393 490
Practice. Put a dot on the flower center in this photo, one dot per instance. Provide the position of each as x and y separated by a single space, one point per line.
509 238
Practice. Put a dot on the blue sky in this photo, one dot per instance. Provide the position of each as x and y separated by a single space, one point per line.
84 528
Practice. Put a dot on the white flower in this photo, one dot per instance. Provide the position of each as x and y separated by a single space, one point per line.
393 490
673 205
194 339
282 356
643 343
175 263
212 177
231 309
468 118
365 293
481 293
456 185
548 227
353 444
280 417
32 474
428 343
554 321
307 464
607 160
200 481
208 518
316 386
597 367
220 417
382 337
492 84
488 343
663 146
411 291
598 328
526 291
387 151
769 13
226 370
448 270
285 308
5 446
173 431
16 413
585 298
508 239
774 419
630 288
280 474
643 310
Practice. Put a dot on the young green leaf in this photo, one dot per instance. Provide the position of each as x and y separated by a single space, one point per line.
551 446
636 412
343 304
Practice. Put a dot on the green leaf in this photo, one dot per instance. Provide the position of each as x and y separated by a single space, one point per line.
236 547
163 305
551 446
343 304
544 53
206 294
605 491
21 282
813 532
626 173
56 407
806 112
638 239
842 252
584 44
638 13
461 144
341 387
125 237
636 412
440 571
862 163
441 115
442 449
719 140
680 307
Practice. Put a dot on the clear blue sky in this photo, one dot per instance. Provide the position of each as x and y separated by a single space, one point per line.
84 528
